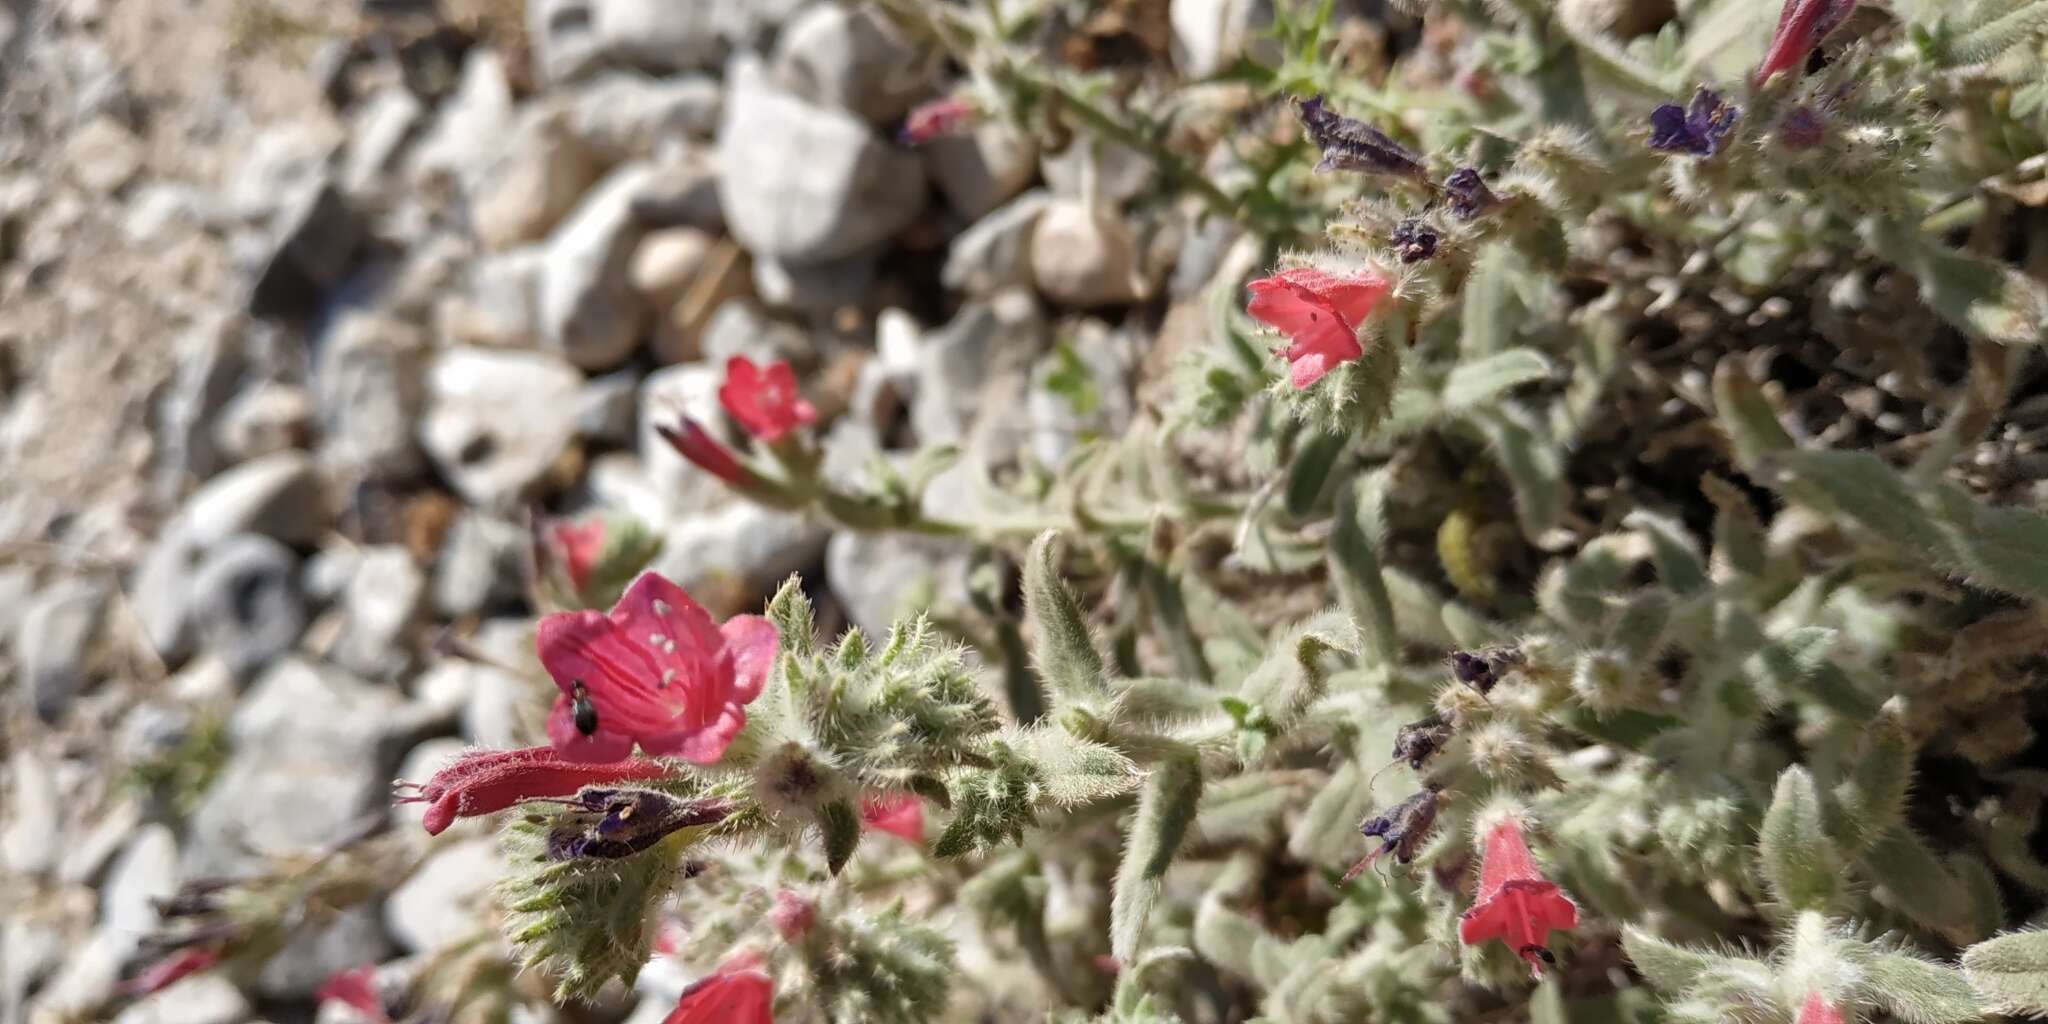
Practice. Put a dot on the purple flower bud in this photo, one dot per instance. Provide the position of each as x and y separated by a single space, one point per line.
1401 829
628 821
1468 195
1349 145
1699 128
1802 128
1413 241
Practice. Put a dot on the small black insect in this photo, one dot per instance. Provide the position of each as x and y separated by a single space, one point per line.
1402 828
1482 669
584 710
616 823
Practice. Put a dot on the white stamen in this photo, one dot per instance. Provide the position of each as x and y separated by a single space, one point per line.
668 675
660 607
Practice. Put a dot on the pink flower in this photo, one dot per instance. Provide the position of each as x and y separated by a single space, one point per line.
739 993
764 399
488 781
898 814
576 547
1516 904
692 442
1320 313
167 971
657 671
1819 1011
935 118
357 989
1802 24
793 915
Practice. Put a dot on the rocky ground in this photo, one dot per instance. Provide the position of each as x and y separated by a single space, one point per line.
304 305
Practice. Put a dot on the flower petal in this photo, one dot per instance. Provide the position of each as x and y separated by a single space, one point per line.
704 745
753 643
603 745
617 675
731 997
899 814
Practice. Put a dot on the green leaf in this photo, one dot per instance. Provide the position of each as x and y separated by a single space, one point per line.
1165 810
1739 538
1482 381
1987 300
1673 969
1907 876
1075 771
1799 863
2011 971
790 611
1355 568
1065 653
1491 306
1746 414
1310 470
1679 563
839 823
1919 992
1872 799
1533 462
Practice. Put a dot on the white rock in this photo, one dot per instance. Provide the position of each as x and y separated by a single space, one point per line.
740 328
625 116
588 310
247 604
542 174
447 899
1209 34
816 289
53 645
85 983
381 606
849 58
382 124
481 564
199 999
147 870
804 184
608 408
352 938
879 579
366 387
33 836
1120 172
471 127
740 543
979 360
995 252
270 418
1085 257
666 396
572 37
279 496
496 421
667 262
500 306
212 359
103 155
978 170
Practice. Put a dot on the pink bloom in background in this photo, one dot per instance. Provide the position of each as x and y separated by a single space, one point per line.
356 989
739 993
1320 313
577 546
764 399
1802 24
935 118
657 671
793 915
1819 1011
166 972
898 814
692 442
1516 904
488 781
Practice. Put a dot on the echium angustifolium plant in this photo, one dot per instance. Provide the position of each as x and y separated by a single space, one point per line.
1579 574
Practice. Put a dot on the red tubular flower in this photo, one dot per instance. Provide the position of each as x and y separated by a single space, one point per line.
898 814
695 444
1320 313
935 118
1802 24
764 398
576 547
793 915
356 989
1516 904
739 993
166 972
657 671
1819 1011
488 781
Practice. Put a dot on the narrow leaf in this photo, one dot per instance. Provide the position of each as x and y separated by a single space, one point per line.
2011 971
839 823
1355 568
1799 863
1065 653
1165 809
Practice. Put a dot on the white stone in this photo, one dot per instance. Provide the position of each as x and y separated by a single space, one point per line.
1085 257
589 312
496 421
447 899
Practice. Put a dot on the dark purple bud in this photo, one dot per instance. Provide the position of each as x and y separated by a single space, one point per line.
1468 195
1802 128
1699 128
1349 145
1413 241
1482 669
1402 828
1418 741
618 823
